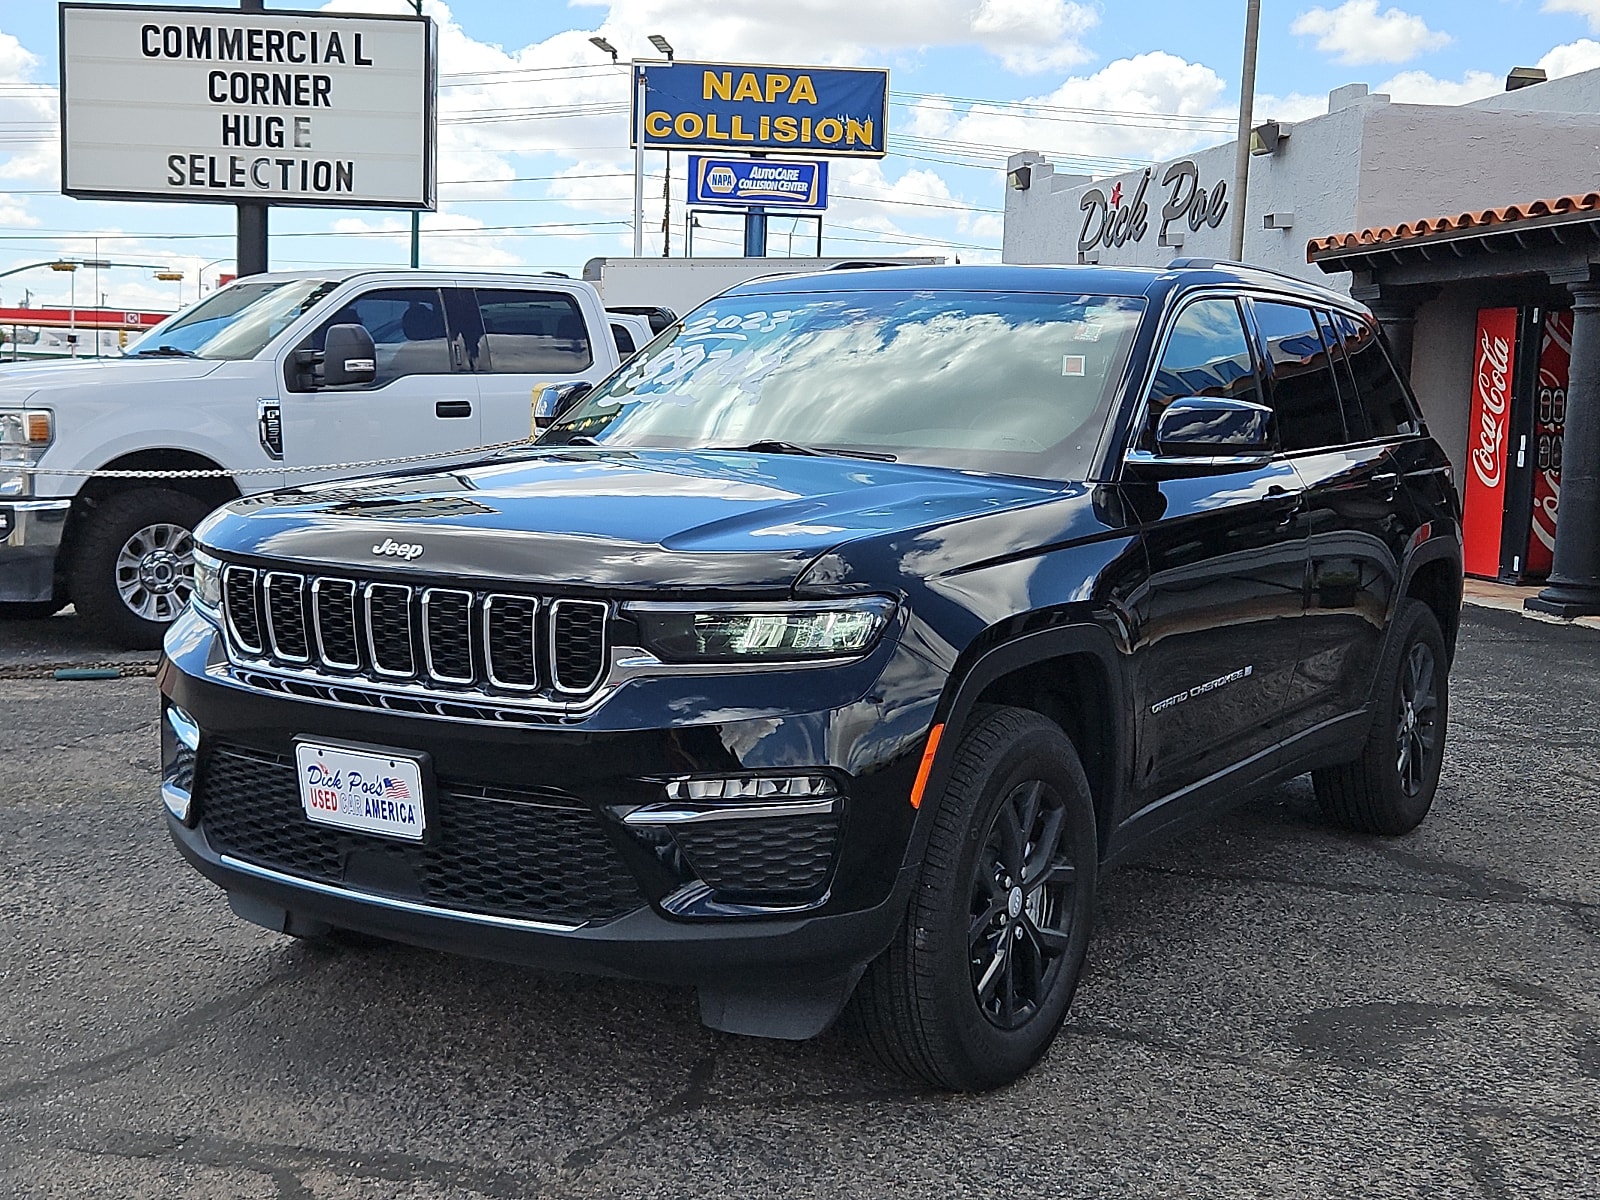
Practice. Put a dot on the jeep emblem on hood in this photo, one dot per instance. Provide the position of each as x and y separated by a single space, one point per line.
394 549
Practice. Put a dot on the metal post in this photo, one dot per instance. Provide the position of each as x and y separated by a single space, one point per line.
251 227
1574 587
755 232
416 217
666 209
1241 154
638 158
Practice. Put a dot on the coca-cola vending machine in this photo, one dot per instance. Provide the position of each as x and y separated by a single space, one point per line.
1513 474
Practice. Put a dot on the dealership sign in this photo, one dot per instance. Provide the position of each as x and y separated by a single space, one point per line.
247 107
742 182
835 111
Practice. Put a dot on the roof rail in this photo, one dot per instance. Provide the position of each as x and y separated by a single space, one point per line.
1203 264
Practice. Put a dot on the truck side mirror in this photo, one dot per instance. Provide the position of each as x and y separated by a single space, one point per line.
348 356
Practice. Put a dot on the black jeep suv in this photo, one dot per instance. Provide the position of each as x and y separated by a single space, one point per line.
830 650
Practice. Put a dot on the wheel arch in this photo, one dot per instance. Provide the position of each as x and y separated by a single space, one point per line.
213 492
1071 675
1433 576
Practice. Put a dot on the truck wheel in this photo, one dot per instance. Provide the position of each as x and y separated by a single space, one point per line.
973 989
1390 788
133 569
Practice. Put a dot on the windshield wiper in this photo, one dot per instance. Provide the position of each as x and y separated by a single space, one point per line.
774 446
165 352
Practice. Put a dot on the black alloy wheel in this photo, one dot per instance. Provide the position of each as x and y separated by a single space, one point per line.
1390 787
1022 909
973 989
1418 734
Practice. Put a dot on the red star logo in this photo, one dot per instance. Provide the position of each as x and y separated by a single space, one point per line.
1116 196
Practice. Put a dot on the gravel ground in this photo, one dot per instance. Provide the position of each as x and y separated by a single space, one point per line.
1271 1008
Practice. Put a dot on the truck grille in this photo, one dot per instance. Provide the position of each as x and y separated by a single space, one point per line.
441 638
532 855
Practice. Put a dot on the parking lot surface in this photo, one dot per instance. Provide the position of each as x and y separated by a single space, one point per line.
1271 1008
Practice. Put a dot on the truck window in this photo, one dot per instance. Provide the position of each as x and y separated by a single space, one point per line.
623 339
1303 391
532 332
407 327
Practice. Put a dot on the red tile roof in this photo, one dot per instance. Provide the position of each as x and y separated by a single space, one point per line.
1510 214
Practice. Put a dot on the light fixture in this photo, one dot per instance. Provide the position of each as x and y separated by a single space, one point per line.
604 45
1277 220
662 45
1264 138
1020 178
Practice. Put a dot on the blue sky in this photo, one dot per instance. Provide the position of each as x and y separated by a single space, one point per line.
1100 86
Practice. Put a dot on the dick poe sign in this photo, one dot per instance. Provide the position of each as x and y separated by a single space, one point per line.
832 111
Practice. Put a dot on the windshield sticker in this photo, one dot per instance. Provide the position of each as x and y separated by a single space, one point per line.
1074 365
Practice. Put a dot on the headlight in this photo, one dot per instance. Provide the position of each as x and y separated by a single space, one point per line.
24 437
207 581
771 632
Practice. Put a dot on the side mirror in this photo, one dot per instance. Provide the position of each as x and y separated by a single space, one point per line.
348 356
552 400
1203 432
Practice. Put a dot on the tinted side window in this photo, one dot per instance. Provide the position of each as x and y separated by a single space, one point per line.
1355 417
1382 394
533 332
1303 391
407 327
1207 354
623 339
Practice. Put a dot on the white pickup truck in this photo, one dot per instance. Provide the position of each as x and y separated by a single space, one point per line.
238 383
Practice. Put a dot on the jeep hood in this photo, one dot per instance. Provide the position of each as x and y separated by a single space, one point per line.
645 519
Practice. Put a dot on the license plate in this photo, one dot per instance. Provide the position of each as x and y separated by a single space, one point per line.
356 789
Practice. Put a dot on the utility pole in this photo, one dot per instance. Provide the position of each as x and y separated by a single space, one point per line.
1247 97
638 158
416 216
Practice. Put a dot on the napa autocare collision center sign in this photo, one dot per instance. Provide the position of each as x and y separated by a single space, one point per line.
247 107
832 111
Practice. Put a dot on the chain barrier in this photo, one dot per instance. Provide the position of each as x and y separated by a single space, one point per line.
219 473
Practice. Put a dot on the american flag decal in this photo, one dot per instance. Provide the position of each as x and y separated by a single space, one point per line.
396 789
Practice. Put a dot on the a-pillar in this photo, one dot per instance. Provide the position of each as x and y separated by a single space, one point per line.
1574 586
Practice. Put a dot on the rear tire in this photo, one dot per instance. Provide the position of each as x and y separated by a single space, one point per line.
133 569
1390 788
972 991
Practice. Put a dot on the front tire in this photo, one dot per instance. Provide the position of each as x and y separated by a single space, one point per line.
1390 788
972 991
133 569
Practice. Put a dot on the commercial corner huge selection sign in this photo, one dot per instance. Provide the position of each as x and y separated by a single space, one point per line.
223 105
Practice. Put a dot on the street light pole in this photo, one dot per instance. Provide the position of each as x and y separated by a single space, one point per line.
416 216
638 158
1241 154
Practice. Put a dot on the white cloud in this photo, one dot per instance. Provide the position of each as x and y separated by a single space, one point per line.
1581 55
1026 35
1296 106
1418 87
1146 91
1356 32
1589 10
28 114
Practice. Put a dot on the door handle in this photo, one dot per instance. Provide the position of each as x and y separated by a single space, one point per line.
453 408
1387 482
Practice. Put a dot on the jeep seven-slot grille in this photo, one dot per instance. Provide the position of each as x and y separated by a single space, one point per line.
435 637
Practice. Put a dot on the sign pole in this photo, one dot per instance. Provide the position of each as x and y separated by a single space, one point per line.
638 158
250 237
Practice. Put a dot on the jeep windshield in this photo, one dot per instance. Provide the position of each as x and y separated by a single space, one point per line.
1008 383
235 323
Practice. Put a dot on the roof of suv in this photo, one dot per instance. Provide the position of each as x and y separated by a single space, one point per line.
1083 280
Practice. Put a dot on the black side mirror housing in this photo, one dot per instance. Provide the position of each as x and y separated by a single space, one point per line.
1209 427
348 356
552 400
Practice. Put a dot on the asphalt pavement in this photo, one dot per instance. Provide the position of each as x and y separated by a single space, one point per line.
1271 1008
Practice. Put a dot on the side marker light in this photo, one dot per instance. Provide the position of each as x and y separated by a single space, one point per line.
926 768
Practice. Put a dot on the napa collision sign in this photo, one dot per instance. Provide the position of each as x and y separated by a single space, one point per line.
218 104
833 111
771 182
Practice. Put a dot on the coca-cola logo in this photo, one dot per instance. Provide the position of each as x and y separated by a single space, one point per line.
1494 393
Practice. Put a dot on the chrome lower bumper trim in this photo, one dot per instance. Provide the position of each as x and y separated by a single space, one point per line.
393 903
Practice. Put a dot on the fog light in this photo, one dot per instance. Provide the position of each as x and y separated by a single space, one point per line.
752 787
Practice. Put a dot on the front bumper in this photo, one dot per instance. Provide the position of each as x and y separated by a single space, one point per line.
30 540
604 896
